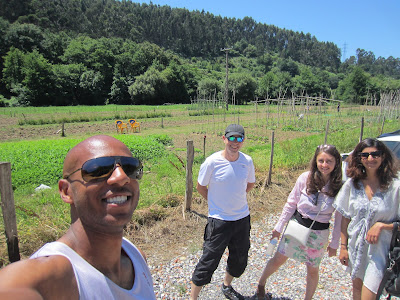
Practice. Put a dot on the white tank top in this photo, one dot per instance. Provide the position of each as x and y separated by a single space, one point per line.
92 284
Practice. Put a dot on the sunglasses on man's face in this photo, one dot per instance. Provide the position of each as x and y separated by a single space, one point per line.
101 168
233 138
374 154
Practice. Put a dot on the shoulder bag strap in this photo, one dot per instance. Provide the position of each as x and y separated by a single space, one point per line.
387 271
394 235
317 214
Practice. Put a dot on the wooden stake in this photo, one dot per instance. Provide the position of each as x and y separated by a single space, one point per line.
189 177
7 206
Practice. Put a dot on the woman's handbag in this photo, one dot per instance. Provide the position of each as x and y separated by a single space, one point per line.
295 230
391 278
298 232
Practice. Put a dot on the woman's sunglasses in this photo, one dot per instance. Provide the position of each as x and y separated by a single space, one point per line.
374 154
101 168
233 138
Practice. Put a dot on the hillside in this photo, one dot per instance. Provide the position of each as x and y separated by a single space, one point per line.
108 51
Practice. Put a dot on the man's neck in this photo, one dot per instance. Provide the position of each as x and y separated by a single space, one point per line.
102 251
230 156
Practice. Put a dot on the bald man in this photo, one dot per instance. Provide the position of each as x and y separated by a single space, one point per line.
92 260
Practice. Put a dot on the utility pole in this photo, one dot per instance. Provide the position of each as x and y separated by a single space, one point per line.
344 51
226 77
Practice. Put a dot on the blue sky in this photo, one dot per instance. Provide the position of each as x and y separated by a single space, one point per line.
372 25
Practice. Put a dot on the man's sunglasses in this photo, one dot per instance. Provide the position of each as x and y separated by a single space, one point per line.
101 168
233 138
375 154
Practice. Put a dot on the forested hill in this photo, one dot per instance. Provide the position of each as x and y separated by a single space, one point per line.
69 52
187 33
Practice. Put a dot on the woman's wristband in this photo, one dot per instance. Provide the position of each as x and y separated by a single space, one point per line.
344 245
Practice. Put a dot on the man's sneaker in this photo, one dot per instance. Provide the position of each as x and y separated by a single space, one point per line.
230 293
267 296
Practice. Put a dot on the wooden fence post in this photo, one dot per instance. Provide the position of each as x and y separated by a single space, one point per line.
383 124
268 180
62 130
272 158
204 146
7 206
326 132
189 176
362 129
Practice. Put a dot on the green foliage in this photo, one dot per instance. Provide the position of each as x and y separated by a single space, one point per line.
149 88
42 216
289 66
144 148
244 87
13 64
164 176
311 84
35 162
353 87
292 128
382 83
40 162
29 75
121 52
3 101
208 112
69 82
209 87
274 83
78 114
297 153
163 139
25 37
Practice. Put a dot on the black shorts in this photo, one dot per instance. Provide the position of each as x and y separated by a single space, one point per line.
218 235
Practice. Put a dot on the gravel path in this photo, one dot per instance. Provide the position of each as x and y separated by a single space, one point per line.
172 280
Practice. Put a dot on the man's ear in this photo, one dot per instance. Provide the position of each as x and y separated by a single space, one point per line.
65 191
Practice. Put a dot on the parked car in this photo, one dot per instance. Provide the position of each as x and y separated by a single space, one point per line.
391 140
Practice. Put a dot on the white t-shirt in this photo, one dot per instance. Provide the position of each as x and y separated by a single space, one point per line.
227 183
92 284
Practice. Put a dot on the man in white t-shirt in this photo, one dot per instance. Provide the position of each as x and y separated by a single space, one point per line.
224 180
91 260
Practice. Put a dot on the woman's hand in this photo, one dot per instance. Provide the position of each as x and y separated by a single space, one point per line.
331 251
374 232
275 234
344 256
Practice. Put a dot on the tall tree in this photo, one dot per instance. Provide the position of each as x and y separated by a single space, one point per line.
353 88
243 86
38 80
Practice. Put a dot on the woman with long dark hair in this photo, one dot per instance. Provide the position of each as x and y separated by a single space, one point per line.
369 203
311 199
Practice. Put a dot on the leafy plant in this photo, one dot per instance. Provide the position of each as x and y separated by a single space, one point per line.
41 162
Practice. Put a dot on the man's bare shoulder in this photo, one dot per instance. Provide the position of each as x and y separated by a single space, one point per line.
49 276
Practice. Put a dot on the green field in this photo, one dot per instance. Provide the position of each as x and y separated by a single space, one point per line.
42 216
